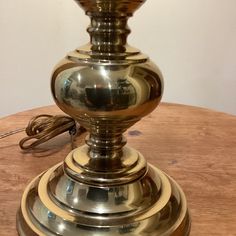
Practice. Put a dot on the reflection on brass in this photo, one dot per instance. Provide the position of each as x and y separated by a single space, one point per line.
105 188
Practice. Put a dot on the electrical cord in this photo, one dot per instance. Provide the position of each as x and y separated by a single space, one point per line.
44 127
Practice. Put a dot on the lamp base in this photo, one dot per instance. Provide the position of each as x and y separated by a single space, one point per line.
142 201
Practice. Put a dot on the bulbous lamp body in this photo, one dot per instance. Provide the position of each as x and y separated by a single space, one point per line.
105 188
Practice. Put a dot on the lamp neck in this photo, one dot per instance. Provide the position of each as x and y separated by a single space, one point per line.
108 34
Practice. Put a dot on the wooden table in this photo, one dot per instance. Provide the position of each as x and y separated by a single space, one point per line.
195 146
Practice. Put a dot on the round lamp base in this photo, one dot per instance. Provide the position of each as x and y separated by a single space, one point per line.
142 201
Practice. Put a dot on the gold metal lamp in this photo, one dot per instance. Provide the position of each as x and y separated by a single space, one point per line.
105 188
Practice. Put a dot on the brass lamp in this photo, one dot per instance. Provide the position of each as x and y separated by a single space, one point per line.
105 188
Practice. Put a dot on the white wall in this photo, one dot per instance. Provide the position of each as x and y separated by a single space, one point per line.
192 41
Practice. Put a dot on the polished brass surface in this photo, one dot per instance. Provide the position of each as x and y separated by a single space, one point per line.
105 187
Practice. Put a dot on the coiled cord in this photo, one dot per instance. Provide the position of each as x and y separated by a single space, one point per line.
44 127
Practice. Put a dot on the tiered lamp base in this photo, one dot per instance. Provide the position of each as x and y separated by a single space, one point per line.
67 200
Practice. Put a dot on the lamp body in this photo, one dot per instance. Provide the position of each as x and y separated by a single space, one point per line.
105 187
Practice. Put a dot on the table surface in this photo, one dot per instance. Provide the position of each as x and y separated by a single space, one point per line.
196 146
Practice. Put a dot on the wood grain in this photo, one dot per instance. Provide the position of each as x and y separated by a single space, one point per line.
195 146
